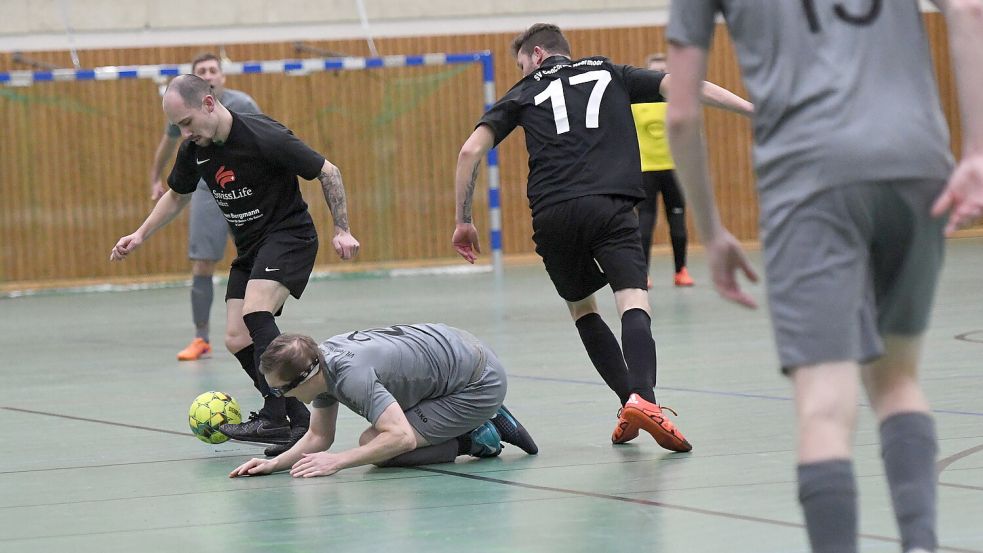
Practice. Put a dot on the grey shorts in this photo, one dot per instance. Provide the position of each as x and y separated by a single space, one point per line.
448 417
850 265
208 231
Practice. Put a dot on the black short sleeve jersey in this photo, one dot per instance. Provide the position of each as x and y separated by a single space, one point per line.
580 134
253 177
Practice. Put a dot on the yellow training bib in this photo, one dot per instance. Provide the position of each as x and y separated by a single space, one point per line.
650 124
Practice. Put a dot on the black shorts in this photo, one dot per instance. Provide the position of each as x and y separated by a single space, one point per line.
282 256
588 242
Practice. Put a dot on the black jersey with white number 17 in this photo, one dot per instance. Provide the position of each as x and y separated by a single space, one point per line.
579 128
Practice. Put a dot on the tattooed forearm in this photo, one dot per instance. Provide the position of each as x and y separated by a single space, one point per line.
334 195
466 216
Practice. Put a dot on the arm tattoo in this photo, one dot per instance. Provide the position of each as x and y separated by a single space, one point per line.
334 195
469 194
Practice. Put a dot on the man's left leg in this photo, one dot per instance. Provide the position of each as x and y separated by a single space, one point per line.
270 424
909 443
263 299
282 268
424 454
619 254
466 422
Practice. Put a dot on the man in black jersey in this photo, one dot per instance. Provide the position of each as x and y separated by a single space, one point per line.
584 181
251 163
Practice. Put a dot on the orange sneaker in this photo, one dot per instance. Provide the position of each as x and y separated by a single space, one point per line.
197 349
682 278
649 417
625 431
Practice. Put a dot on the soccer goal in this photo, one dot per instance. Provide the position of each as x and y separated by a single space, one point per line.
79 143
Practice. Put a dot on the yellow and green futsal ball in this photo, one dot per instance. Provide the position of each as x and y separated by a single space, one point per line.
211 410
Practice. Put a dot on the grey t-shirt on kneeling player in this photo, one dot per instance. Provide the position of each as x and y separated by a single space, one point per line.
368 370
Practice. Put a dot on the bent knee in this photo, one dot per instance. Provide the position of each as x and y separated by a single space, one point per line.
236 341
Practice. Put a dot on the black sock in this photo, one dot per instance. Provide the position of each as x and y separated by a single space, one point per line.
274 408
639 348
464 444
908 447
247 358
298 413
430 455
262 329
605 353
828 495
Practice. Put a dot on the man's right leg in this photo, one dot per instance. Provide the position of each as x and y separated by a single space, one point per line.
647 211
826 405
207 236
202 295
908 439
601 345
270 424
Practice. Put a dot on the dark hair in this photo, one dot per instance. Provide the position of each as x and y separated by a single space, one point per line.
203 57
287 356
545 35
192 89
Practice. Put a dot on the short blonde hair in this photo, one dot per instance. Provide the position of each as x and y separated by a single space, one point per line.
287 356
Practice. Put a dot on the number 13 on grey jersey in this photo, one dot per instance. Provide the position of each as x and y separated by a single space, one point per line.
843 90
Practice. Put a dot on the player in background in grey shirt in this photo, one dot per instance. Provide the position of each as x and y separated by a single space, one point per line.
431 392
208 230
854 172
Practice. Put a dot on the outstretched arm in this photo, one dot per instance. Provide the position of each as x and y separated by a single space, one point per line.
685 128
334 195
395 436
714 96
963 195
319 437
167 207
465 239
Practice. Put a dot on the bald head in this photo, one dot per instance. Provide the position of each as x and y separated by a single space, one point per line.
189 102
191 88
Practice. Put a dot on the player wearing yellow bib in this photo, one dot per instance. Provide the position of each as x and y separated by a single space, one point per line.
658 178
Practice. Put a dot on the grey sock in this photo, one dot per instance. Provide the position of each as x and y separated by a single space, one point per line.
202 293
431 455
828 495
908 446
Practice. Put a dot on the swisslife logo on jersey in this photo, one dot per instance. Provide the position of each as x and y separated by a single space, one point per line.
224 176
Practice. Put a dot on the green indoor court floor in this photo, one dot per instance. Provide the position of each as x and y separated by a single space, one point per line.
97 455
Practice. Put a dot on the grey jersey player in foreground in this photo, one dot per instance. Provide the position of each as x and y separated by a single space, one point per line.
431 392
854 172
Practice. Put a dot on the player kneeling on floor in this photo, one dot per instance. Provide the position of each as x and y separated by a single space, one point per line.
432 392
